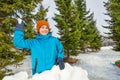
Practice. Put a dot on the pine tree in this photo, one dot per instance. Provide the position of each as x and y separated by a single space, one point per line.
94 39
9 11
8 55
81 8
67 23
90 34
113 8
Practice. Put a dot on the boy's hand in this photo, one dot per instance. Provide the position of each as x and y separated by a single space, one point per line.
20 24
60 62
19 20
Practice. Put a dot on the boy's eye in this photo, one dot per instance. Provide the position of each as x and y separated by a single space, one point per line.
44 27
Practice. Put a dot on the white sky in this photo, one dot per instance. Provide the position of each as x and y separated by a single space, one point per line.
95 6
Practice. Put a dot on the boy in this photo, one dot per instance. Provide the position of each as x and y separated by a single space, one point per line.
46 50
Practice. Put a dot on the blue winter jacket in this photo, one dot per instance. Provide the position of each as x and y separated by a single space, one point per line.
44 49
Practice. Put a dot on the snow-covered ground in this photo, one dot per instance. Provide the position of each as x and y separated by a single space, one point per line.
99 65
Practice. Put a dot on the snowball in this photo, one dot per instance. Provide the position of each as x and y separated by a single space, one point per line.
69 73
66 73
46 75
79 74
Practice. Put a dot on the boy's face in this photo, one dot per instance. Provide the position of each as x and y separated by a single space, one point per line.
44 30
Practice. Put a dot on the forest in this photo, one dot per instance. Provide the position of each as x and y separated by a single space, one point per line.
77 28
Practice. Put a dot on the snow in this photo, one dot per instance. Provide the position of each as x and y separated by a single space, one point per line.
69 73
92 65
100 65
18 76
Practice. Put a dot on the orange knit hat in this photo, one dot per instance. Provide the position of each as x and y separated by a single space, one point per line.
41 23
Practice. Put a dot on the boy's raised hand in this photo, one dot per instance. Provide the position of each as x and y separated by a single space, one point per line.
19 20
20 24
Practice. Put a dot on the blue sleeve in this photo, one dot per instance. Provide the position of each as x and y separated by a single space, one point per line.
60 49
19 41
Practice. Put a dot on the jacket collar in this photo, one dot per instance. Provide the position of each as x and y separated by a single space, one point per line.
39 36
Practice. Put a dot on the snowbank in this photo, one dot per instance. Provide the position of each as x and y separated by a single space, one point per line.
106 47
69 73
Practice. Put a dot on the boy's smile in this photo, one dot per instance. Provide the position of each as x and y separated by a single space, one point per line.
44 30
